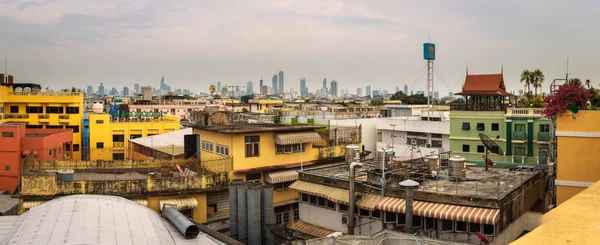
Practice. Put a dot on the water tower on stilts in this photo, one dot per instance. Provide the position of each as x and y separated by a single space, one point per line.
429 56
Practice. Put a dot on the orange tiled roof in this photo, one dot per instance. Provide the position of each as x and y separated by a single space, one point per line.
484 84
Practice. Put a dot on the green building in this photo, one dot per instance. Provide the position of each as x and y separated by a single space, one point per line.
522 133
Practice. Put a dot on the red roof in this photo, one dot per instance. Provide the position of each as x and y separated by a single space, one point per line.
484 84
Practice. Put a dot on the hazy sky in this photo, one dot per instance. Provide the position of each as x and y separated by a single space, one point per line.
63 43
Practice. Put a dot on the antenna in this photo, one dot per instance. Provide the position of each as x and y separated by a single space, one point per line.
567 74
490 146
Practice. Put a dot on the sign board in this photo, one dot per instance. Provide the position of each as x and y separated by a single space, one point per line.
429 51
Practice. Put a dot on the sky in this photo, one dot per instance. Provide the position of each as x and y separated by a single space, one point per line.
64 43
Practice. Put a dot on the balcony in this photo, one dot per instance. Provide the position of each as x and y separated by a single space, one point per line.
518 136
44 118
63 118
477 107
13 117
524 112
543 136
119 145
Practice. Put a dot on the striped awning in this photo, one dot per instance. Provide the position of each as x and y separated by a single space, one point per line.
441 211
334 194
369 202
309 229
143 202
281 176
313 189
31 204
181 202
296 137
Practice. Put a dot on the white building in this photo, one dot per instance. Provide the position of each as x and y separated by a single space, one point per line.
413 136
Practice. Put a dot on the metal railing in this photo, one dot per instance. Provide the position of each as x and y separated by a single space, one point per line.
16 116
43 116
46 93
532 112
477 107
518 136
63 117
543 136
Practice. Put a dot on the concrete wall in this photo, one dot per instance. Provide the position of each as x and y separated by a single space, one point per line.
527 222
332 219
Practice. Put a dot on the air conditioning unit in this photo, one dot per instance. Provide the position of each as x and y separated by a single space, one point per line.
255 181
345 219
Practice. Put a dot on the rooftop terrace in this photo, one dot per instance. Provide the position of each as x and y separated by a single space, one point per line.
255 128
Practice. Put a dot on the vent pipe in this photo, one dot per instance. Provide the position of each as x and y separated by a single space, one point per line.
267 215
254 216
242 214
233 211
182 223
352 197
409 185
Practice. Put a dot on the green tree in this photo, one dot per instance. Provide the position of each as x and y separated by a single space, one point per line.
537 79
73 90
527 79
186 96
398 96
575 81
245 98
376 102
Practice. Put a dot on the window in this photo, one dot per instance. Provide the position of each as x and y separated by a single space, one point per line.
72 110
283 185
429 224
474 227
118 138
207 146
6 167
480 148
296 212
343 207
34 126
437 136
254 176
14 109
322 201
390 217
8 134
416 141
75 128
495 127
330 205
417 221
376 214
282 149
436 144
466 148
211 208
480 126
54 126
68 147
100 145
447 225
401 219
34 109
54 109
364 213
313 200
222 150
76 147
545 128
466 126
488 229
304 197
519 151
520 127
135 136
99 121
282 218
187 213
118 156
461 226
417 134
252 146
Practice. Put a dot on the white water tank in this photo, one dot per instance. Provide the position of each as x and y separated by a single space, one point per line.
381 155
97 108
457 167
433 162
352 153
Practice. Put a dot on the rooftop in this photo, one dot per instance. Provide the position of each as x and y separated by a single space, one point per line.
92 219
484 84
256 128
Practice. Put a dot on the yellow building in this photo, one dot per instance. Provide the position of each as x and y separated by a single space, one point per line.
578 146
109 137
23 103
271 154
264 105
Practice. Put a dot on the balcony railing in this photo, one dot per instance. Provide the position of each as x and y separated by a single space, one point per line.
524 112
518 135
543 136
118 144
43 116
63 117
46 93
477 107
16 116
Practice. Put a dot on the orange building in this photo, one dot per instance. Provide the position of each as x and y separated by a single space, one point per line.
16 141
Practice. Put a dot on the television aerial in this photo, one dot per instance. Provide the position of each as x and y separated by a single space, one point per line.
490 146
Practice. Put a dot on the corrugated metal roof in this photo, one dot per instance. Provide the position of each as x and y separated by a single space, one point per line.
310 229
166 139
6 223
91 219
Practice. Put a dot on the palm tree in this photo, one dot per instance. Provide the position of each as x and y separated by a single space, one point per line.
575 81
587 83
526 77
538 79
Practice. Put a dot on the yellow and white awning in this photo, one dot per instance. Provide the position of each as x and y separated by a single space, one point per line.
335 194
309 229
143 202
289 174
296 137
180 202
31 204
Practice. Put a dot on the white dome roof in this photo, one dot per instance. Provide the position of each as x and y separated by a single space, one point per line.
97 108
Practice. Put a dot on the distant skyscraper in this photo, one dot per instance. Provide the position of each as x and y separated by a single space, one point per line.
218 86
90 90
187 91
249 88
436 95
376 93
397 89
303 88
281 83
450 94
359 92
101 89
125 91
265 90
178 91
136 88
369 91
325 83
164 88
334 88
260 85
114 91
274 89
406 89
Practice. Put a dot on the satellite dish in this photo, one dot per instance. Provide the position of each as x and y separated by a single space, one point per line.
490 146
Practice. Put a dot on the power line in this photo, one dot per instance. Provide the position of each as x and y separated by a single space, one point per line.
418 78
443 79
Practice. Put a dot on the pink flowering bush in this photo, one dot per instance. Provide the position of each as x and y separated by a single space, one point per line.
569 93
